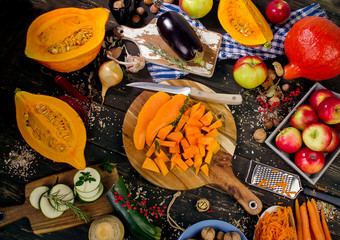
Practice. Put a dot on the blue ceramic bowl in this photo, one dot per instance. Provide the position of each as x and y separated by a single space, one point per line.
218 225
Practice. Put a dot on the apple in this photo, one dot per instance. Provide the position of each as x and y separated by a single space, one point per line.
196 8
334 142
278 12
250 71
309 161
318 96
317 136
303 116
329 110
289 140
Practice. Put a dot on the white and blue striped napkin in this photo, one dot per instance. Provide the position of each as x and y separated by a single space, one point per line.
230 49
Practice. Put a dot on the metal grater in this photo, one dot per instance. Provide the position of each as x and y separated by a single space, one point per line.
273 180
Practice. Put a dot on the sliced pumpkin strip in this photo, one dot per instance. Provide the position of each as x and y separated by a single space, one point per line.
161 164
216 124
175 136
207 118
205 169
164 132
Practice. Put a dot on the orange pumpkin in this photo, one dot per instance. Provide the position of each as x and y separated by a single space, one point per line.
244 23
51 127
66 39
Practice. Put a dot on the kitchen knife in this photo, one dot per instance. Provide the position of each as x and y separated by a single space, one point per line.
322 196
231 99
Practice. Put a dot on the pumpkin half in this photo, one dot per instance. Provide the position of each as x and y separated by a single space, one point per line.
66 39
51 127
244 23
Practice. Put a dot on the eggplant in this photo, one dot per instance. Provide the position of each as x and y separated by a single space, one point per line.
181 37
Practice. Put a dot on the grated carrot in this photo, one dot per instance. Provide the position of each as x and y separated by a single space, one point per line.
275 226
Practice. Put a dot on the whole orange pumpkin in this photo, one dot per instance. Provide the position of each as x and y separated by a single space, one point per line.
313 49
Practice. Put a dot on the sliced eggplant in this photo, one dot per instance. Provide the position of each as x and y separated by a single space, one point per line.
181 37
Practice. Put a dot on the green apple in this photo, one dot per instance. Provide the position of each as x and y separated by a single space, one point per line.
196 8
250 72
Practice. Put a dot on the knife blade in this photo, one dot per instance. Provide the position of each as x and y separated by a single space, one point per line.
222 98
322 196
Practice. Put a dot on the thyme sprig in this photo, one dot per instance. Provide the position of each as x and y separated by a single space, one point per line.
107 165
170 58
59 200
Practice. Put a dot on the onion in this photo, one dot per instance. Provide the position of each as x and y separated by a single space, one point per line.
110 74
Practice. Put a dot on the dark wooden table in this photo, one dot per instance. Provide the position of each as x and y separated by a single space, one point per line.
104 130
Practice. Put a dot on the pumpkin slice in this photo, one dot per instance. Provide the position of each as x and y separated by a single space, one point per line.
244 22
51 127
66 39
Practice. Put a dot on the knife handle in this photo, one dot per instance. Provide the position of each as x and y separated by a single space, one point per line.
322 196
231 99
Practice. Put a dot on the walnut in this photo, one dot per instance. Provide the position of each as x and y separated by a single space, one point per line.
208 233
202 205
268 124
260 135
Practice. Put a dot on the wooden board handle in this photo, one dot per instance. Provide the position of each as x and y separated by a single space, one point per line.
221 174
12 213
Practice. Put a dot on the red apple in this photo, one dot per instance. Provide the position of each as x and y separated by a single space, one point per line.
318 96
334 142
278 11
317 136
329 110
309 161
250 72
289 140
303 116
196 8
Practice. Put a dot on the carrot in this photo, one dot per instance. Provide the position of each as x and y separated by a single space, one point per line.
305 222
317 214
167 114
146 115
275 226
298 220
324 226
313 218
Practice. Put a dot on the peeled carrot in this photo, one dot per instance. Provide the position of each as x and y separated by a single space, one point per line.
324 226
305 222
314 222
298 220
317 214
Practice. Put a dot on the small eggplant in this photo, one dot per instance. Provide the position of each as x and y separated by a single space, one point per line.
181 37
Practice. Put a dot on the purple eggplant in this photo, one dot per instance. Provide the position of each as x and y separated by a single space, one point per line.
181 37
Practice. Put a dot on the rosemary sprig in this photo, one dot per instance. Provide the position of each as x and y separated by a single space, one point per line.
172 59
59 200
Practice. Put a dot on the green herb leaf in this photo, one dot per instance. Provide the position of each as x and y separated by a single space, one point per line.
107 165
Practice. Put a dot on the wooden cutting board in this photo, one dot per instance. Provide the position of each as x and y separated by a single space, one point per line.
41 224
140 36
221 173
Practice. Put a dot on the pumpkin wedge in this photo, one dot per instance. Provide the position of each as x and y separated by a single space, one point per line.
66 39
51 127
244 23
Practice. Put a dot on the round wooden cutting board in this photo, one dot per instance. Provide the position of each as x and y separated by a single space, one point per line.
220 171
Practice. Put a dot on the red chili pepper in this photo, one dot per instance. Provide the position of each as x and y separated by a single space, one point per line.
76 106
67 86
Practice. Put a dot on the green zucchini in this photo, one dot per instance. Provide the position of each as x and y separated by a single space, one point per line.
137 224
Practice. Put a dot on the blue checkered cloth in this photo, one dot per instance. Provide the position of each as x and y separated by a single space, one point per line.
230 49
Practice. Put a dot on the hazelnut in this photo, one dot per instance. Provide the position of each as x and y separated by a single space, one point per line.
140 11
154 8
285 87
118 4
147 2
168 1
135 18
260 135
268 124
277 121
